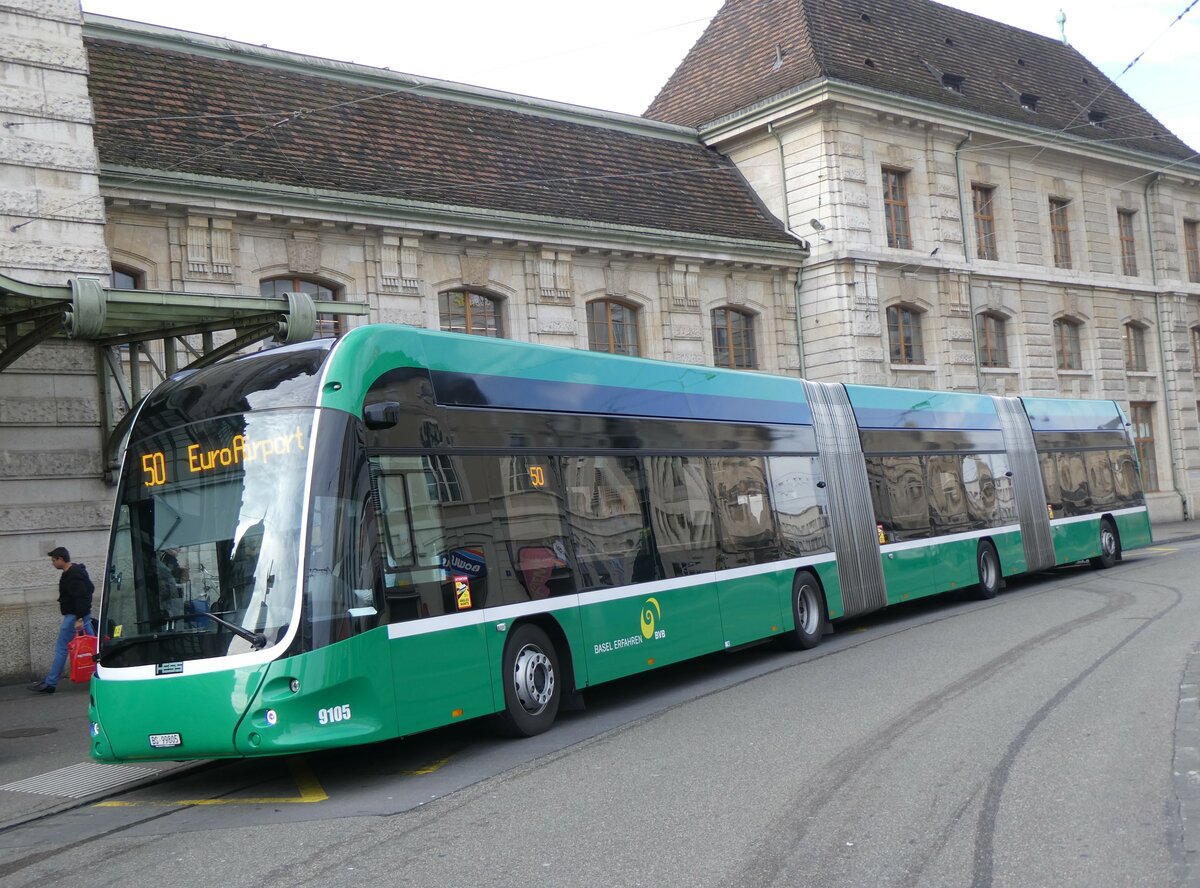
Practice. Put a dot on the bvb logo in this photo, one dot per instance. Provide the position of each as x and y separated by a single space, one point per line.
651 613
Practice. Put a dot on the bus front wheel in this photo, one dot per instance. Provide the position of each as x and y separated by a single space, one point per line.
808 611
532 683
991 580
1110 546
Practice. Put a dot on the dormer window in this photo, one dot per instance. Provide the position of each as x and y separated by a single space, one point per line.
1029 101
953 82
1097 118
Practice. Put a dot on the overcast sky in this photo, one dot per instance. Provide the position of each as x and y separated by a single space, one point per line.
616 55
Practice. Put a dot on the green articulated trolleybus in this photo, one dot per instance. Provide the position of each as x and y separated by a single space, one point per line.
358 539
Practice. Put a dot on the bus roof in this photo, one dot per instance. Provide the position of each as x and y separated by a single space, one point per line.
876 407
525 376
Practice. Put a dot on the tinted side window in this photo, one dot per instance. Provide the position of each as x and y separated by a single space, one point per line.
979 484
1049 466
1073 482
608 516
681 514
438 551
1006 498
1125 478
898 492
747 524
947 497
531 529
800 507
1100 478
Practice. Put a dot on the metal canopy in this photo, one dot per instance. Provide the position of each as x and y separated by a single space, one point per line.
122 325
85 310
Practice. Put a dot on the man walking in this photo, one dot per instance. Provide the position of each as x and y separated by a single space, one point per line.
75 601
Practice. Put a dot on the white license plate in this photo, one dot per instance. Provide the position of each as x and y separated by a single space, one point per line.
165 741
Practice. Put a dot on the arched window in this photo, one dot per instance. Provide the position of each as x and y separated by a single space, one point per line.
464 311
1067 344
1135 347
992 337
327 325
612 327
733 339
126 278
904 334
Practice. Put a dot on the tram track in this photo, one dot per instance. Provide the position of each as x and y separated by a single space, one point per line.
781 856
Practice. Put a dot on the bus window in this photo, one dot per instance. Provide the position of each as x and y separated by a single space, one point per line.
746 520
681 515
800 507
533 537
1006 499
1073 482
979 485
342 589
1049 466
1127 487
435 522
898 493
608 516
947 498
1100 478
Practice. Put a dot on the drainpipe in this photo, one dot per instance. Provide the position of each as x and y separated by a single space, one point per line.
787 223
1162 349
962 218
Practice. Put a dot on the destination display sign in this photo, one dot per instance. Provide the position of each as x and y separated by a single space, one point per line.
222 447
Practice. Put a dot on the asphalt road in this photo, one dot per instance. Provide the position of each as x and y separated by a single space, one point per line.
1047 737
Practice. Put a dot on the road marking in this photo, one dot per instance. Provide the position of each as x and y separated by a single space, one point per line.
310 791
1163 550
428 769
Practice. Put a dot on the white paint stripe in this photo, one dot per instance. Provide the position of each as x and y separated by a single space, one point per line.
929 542
1095 516
595 596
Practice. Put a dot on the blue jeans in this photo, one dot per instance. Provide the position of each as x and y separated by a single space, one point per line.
65 633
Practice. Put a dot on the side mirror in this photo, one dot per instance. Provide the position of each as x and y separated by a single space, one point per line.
382 415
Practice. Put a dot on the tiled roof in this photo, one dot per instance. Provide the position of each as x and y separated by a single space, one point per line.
902 47
207 113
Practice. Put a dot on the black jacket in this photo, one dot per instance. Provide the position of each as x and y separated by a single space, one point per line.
75 591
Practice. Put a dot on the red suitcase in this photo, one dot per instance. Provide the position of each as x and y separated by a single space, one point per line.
81 654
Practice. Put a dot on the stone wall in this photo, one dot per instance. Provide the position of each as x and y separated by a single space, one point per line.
52 220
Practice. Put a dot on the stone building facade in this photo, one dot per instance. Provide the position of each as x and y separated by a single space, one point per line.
987 211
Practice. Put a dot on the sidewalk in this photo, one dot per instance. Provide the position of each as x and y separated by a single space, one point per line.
44 764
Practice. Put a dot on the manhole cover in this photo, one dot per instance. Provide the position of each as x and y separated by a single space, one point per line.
18 733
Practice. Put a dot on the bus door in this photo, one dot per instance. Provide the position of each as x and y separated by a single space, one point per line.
750 597
438 561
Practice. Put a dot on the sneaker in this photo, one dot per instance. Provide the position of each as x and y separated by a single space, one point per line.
42 688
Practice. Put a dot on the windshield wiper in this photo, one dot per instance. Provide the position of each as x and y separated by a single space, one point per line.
123 644
257 639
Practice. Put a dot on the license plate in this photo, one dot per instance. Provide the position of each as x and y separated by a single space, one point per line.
165 741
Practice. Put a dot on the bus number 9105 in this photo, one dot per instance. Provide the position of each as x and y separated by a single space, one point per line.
333 714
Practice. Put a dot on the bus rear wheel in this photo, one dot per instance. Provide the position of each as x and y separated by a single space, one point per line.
1110 546
532 686
808 611
991 580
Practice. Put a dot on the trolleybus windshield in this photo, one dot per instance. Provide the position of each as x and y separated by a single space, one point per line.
206 540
